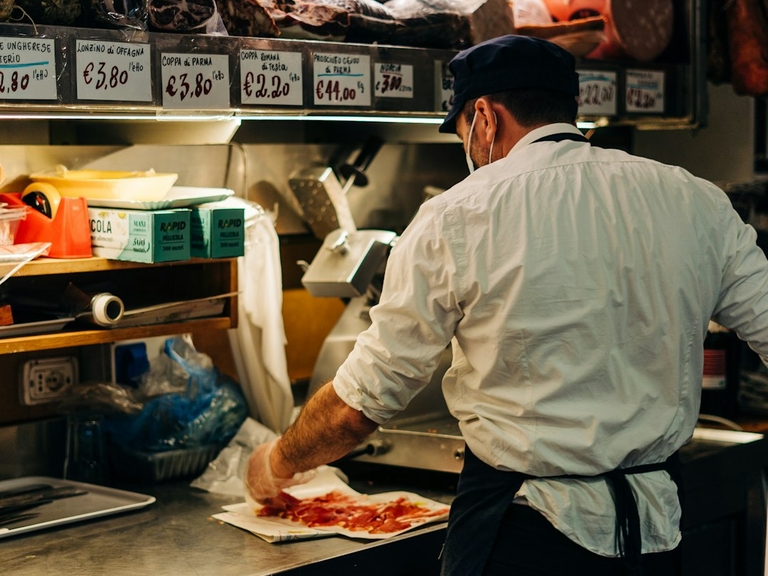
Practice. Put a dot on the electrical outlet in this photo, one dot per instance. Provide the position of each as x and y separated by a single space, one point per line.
46 379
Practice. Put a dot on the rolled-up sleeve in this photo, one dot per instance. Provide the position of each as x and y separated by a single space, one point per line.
411 326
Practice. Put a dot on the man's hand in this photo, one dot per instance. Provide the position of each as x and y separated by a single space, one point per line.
261 482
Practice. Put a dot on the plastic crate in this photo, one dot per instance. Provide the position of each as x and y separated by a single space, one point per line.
155 467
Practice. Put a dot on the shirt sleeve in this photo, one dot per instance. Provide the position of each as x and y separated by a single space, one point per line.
743 301
412 324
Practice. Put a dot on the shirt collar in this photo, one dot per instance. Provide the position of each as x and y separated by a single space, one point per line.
548 130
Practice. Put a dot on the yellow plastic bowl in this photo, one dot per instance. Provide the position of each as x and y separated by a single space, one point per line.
108 184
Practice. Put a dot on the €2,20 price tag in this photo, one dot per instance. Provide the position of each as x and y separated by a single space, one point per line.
342 79
113 71
597 92
195 81
645 91
269 77
27 69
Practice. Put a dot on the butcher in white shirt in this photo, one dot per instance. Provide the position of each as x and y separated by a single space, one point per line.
574 285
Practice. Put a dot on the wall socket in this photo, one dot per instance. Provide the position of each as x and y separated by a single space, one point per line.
46 379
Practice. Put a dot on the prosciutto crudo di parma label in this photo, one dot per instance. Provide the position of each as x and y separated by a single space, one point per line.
355 514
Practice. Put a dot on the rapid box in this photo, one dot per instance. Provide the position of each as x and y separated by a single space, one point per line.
218 231
140 235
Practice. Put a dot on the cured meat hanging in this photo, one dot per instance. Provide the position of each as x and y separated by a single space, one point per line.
441 24
252 18
350 20
185 16
748 46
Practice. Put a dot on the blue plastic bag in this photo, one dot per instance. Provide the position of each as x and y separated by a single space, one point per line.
209 411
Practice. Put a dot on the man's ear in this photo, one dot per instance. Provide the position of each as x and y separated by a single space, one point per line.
487 120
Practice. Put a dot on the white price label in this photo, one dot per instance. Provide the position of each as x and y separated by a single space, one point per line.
645 91
268 77
342 79
27 69
444 83
113 71
393 80
195 81
597 92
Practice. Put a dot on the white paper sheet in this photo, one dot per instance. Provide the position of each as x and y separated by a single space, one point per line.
273 529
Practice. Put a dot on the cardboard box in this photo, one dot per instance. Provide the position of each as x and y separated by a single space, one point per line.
218 231
140 235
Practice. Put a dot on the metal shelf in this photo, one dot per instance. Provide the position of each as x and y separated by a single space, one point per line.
190 77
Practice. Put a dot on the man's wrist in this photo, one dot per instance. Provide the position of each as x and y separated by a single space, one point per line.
278 463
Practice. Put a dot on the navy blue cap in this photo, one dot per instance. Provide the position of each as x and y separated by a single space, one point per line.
506 63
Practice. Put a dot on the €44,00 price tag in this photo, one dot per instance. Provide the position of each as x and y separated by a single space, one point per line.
645 91
268 77
393 80
27 69
597 92
342 79
195 81
113 71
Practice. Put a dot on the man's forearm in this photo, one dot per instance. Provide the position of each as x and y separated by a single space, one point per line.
326 429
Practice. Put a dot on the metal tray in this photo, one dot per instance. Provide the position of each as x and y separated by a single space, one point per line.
98 501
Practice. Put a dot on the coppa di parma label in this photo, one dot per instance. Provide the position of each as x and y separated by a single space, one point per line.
140 235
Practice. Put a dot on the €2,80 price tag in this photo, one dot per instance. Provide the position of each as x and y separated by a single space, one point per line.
268 77
27 69
195 81
113 71
393 80
645 91
597 92
342 79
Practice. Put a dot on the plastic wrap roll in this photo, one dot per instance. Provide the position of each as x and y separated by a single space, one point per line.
107 309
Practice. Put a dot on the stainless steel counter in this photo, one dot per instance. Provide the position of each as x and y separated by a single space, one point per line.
176 536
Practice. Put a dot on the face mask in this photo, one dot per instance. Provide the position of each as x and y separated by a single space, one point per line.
470 163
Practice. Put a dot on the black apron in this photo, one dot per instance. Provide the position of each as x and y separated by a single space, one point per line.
484 494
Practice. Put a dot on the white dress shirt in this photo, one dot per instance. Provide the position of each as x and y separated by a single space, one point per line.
575 285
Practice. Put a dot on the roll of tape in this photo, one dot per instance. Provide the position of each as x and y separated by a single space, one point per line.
43 197
107 309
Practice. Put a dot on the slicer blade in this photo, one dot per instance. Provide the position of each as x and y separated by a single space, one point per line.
322 200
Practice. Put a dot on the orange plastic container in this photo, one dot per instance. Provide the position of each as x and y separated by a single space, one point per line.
69 232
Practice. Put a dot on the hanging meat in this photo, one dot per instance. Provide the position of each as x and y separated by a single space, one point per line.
6 7
748 44
54 12
189 16
252 18
635 30
130 14
349 20
442 24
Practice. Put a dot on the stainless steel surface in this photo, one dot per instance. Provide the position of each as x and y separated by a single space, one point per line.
347 262
177 536
95 502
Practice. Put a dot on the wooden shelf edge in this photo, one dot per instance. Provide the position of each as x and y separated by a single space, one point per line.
105 336
46 266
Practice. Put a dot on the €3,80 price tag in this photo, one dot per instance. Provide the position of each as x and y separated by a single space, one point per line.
113 71
342 79
27 69
195 81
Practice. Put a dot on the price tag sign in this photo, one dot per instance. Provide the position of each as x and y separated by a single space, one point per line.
268 77
597 92
645 91
113 71
393 80
195 81
342 79
444 83
27 69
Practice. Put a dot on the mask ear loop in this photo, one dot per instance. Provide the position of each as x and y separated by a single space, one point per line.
470 163
493 141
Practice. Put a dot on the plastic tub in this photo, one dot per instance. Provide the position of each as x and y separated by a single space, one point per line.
9 223
106 184
156 467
